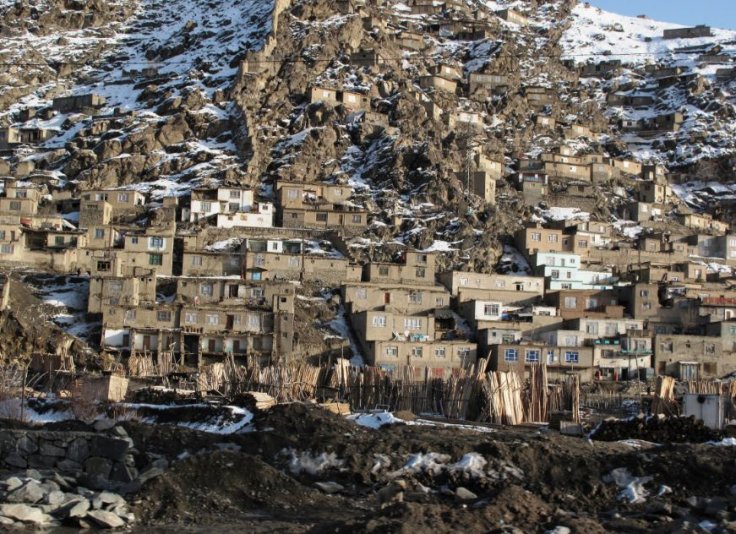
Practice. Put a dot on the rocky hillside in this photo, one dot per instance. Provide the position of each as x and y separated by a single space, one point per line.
201 91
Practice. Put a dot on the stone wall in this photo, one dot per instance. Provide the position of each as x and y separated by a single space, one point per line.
103 460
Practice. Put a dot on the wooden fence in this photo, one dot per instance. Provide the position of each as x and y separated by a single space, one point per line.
475 394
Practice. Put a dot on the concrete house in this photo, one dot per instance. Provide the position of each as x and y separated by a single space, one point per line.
402 298
535 238
208 202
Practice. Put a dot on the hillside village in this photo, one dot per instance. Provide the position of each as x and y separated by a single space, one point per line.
409 185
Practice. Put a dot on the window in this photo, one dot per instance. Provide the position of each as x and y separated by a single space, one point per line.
59 240
415 297
500 284
256 292
122 197
583 243
213 319
190 318
592 328
644 293
732 330
571 302
383 270
2 235
206 207
491 309
551 357
392 352
254 320
206 289
196 261
234 193
129 315
553 238
294 261
357 219
361 294
511 355
134 240
536 236
99 233
710 348
463 354
115 286
417 352
439 352
321 217
292 194
646 305
420 272
412 323
260 260
155 259
101 265
439 301
532 356
15 205
572 357
379 321
156 242
555 274
591 304
571 341
274 245
163 316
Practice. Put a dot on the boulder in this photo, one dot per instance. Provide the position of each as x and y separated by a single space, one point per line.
24 513
31 492
465 494
106 519
107 499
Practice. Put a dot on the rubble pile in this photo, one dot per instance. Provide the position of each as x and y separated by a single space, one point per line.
657 429
45 499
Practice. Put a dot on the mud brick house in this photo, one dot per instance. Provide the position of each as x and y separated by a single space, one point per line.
12 137
510 15
437 83
561 361
688 33
689 357
574 304
20 200
209 320
508 289
391 340
319 206
535 239
490 82
81 103
93 204
417 268
403 298
350 99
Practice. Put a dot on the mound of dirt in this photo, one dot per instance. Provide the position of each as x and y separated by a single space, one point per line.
231 485
656 429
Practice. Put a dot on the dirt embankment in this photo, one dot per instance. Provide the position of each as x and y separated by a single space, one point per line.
305 470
